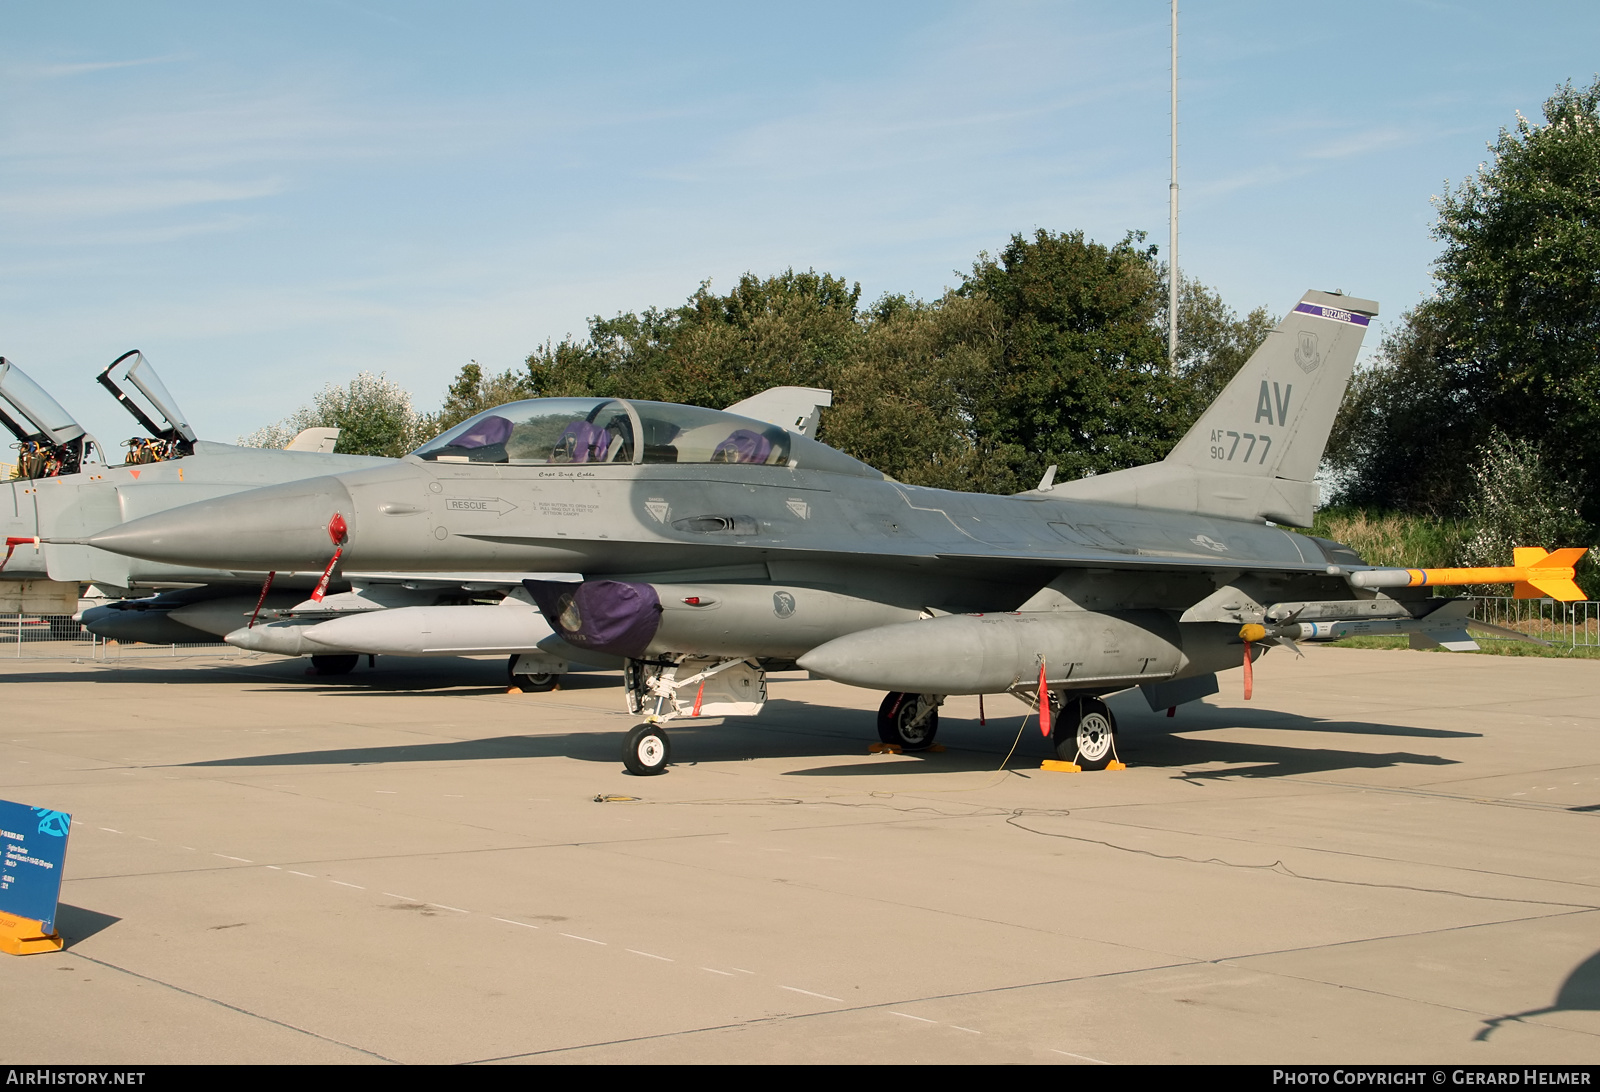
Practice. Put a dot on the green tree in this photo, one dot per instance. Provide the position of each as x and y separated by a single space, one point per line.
1213 341
373 415
907 404
1519 501
473 392
1509 340
793 329
1051 352
1082 378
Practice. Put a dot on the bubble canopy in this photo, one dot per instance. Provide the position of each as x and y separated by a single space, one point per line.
561 431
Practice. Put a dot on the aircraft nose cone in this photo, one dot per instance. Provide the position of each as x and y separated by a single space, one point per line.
280 527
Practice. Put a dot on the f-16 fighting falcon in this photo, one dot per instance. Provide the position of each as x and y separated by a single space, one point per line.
716 548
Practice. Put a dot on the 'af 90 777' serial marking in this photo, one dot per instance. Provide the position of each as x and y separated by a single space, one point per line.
1225 446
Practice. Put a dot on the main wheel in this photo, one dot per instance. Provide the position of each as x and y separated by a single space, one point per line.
909 721
531 684
1085 733
335 665
647 750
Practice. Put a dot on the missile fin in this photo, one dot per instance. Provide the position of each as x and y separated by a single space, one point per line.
1504 631
1452 640
1555 587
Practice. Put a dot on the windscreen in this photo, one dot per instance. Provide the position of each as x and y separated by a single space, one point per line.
540 430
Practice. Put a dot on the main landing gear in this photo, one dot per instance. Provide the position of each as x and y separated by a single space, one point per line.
1083 730
537 682
909 721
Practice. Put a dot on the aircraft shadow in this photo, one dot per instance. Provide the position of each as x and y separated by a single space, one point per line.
1579 993
76 923
707 741
1198 716
795 730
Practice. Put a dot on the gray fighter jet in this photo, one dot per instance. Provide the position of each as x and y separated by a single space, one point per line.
65 484
716 548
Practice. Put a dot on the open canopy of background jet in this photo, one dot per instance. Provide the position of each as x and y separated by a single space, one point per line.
168 439
49 441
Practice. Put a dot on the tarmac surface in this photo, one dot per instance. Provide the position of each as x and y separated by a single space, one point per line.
1385 857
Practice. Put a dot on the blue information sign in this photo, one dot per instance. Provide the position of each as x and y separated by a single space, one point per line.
35 843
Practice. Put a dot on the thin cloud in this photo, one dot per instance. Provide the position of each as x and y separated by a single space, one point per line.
125 198
59 71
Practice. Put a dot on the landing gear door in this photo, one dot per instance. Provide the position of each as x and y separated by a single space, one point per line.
739 690
694 687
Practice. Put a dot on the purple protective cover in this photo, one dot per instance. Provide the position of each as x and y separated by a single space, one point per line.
743 446
588 439
614 616
490 430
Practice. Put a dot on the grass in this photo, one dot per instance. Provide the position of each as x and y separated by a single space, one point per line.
1387 538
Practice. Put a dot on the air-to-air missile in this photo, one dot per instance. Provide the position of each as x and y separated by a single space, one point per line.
715 547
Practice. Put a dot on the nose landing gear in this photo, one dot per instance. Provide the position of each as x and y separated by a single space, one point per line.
647 750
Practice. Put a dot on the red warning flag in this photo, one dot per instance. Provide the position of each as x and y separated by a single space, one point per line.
1044 704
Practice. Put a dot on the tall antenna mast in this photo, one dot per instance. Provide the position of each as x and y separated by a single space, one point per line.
1172 245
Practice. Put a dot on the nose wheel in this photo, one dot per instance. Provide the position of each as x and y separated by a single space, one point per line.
647 750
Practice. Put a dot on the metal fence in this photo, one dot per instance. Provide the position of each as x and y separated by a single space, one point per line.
1568 625
62 637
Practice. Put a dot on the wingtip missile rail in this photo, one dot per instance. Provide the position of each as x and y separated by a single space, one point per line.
1534 574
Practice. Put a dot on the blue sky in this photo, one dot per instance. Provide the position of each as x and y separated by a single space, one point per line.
267 199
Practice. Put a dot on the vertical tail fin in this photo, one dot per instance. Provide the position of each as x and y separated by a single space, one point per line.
1254 453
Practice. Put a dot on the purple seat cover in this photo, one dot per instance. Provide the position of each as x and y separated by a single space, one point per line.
490 430
589 441
743 446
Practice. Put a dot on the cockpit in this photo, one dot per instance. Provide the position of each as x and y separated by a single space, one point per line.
562 431
49 442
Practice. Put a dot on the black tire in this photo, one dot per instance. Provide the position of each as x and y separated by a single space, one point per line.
1085 732
647 750
335 665
901 720
531 684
